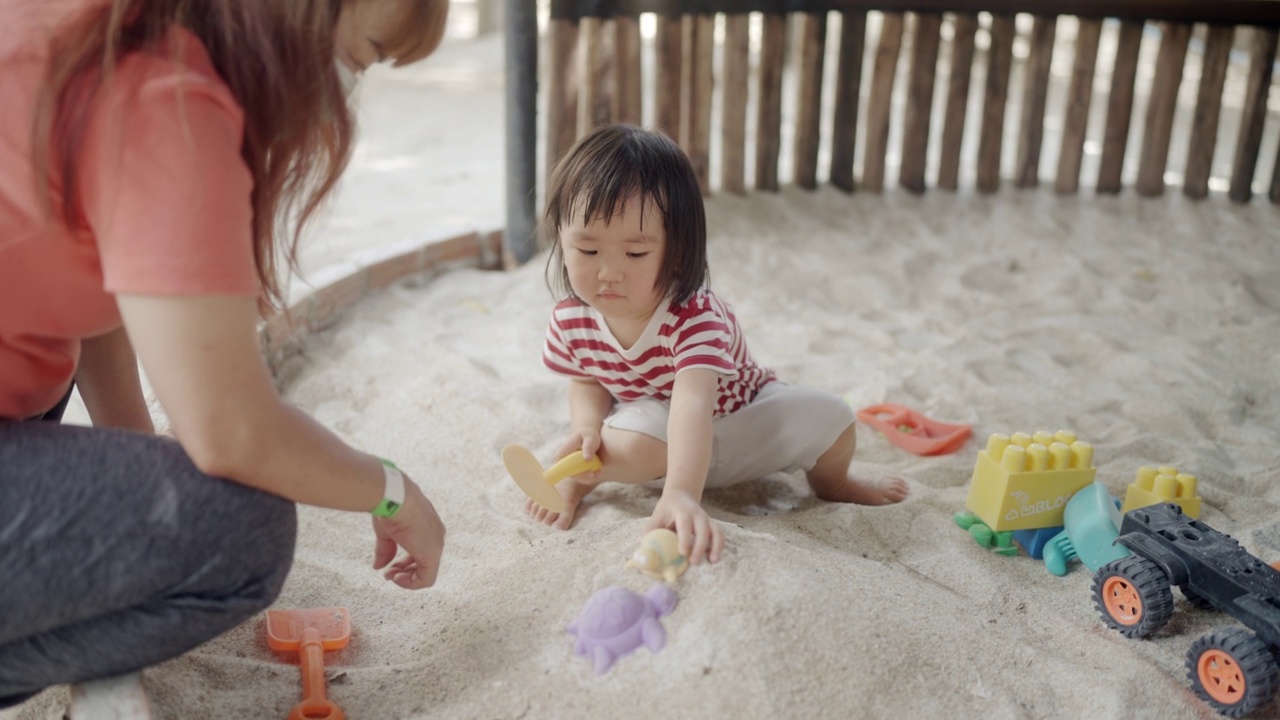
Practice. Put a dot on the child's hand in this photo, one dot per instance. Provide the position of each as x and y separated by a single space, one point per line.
699 535
588 443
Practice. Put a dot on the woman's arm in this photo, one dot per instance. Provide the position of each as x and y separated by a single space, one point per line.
203 359
107 378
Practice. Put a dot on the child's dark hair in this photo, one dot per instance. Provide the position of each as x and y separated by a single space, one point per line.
613 164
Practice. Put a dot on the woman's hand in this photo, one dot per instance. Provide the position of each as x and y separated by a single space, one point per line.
699 536
418 529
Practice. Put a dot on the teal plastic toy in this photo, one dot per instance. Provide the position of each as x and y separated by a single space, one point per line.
1091 524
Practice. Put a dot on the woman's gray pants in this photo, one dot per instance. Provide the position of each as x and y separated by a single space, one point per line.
116 553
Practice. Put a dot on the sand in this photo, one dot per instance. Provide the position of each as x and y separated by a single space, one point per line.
1147 327
1143 326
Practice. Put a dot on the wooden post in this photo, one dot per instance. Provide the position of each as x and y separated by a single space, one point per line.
1079 98
562 90
670 60
924 70
627 76
813 46
880 102
737 59
521 61
991 139
596 107
1120 107
773 53
697 136
1253 116
1161 107
962 46
1204 128
853 31
1036 92
1275 181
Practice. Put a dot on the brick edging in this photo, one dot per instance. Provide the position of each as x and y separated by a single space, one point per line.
284 334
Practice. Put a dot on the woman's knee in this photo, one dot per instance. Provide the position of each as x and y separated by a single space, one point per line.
273 545
256 549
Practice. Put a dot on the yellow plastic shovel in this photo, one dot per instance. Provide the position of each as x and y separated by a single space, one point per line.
540 484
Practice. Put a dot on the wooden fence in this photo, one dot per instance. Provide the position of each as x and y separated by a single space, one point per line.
591 53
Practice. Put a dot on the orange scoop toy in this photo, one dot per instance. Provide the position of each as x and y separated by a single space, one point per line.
310 633
540 484
914 432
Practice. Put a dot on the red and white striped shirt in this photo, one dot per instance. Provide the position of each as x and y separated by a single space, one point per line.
701 333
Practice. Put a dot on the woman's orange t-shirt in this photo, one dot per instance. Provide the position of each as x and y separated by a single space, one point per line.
164 191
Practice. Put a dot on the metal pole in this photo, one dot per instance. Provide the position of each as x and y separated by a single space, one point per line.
521 21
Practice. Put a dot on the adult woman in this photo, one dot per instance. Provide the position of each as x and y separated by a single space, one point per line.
151 150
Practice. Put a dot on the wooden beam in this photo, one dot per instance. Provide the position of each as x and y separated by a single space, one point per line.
1229 12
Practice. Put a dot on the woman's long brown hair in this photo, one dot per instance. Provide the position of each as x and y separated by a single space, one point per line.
277 58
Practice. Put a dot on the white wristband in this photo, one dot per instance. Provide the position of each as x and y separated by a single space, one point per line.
392 492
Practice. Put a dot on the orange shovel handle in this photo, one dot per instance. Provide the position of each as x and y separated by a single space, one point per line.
314 705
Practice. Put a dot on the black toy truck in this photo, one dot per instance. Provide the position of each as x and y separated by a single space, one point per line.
1234 670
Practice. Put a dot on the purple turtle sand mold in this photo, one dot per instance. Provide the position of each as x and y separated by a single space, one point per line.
616 621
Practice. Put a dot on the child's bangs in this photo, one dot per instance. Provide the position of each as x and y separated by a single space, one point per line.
603 189
421 32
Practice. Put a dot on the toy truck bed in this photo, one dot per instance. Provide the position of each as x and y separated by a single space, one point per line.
1207 564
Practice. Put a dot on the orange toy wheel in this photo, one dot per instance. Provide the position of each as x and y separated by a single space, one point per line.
1233 671
1220 676
1123 602
1133 596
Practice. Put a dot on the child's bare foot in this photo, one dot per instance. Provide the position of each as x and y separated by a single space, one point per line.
864 491
572 491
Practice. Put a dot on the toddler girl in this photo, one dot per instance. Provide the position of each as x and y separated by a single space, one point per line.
662 383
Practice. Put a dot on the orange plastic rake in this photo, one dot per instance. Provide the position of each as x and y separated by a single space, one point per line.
310 633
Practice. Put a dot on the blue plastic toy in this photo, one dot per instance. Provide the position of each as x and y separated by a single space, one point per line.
1091 524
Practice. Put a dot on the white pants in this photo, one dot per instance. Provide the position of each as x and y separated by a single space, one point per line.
785 429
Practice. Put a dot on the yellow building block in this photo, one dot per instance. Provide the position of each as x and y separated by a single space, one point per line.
1023 482
1163 485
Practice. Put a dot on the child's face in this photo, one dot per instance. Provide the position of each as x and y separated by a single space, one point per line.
613 266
